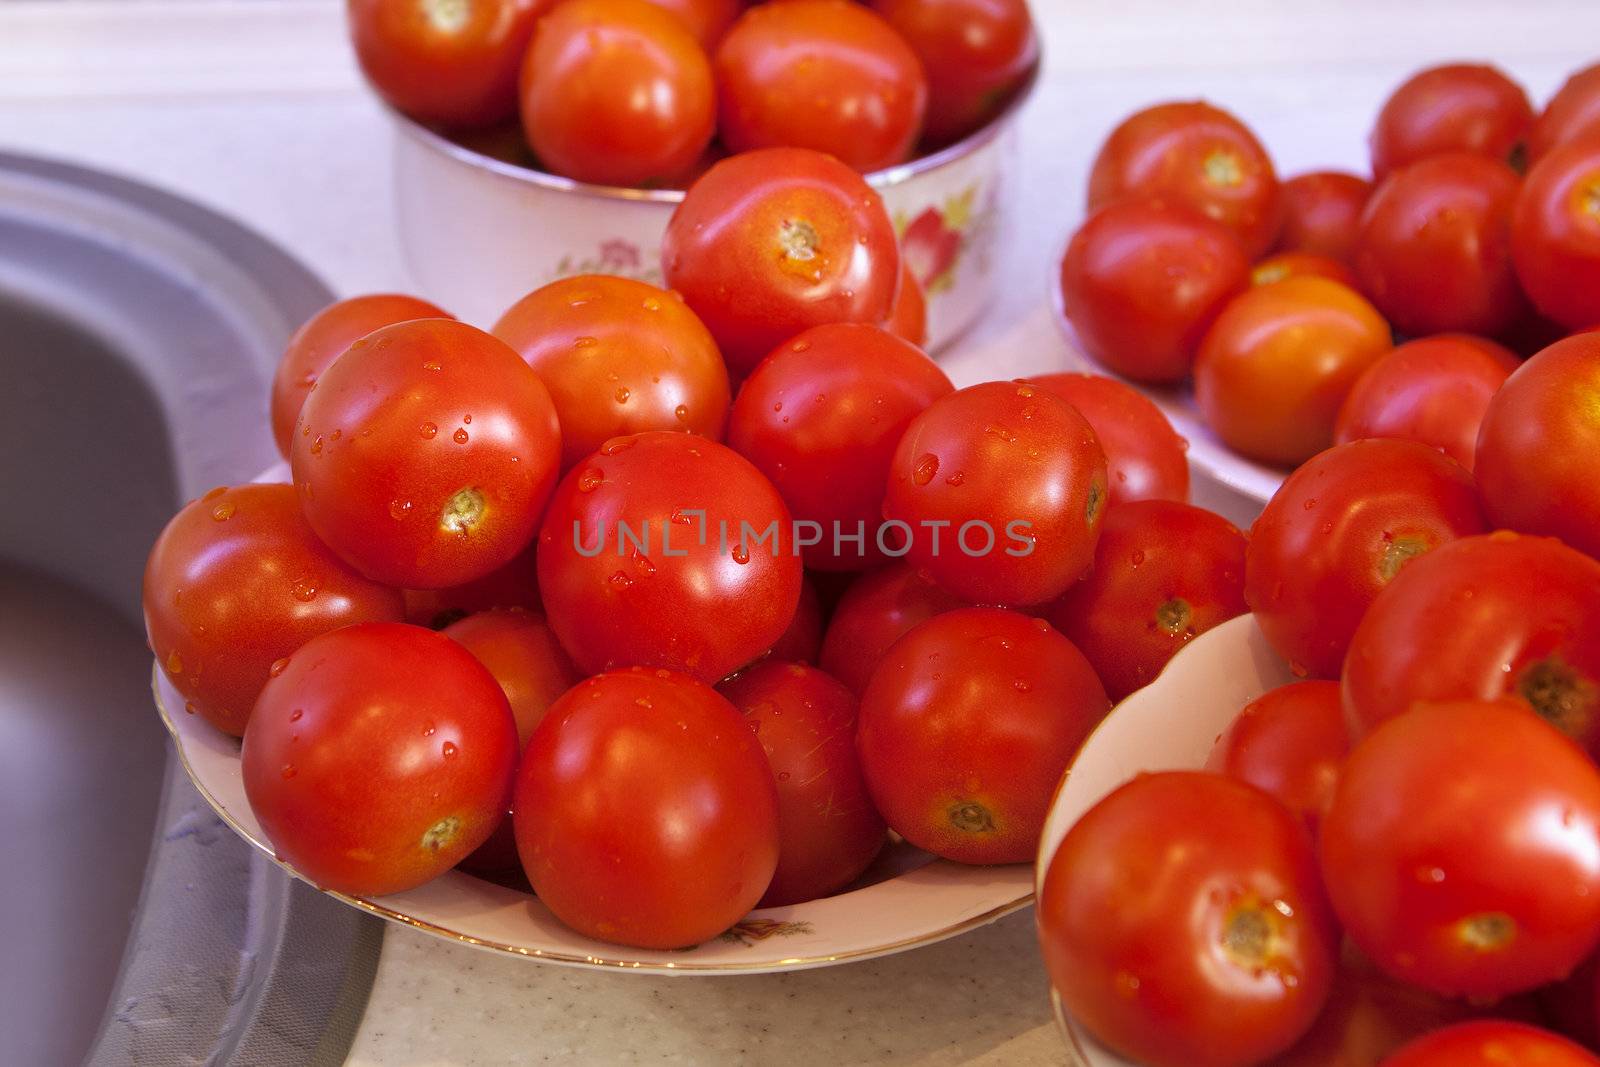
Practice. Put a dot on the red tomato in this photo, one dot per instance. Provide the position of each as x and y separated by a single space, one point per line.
828 830
646 813
1163 574
1197 156
652 554
1491 1044
1141 282
708 20
1145 457
976 53
1555 234
1434 252
908 319
237 581
1228 955
966 727
619 357
1338 531
821 417
450 63
821 74
802 641
1000 489
1281 265
514 585
395 477
322 339
771 243
1457 107
617 92
877 609
1573 112
1459 850
1276 365
1288 742
1322 212
378 758
1433 390
1529 635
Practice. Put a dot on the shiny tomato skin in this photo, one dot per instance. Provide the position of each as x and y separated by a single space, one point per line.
616 92
1433 390
392 472
1230 957
322 339
770 243
976 53
1163 574
828 830
708 20
1281 265
1538 445
1278 362
665 598
619 356
236 582
821 417
379 757
1322 213
1492 1044
512 585
908 319
1434 252
646 813
1017 458
1196 156
454 64
1338 530
1290 743
966 727
1145 457
875 612
1529 636
1573 112
827 75
1142 281
1457 107
1459 849
1555 234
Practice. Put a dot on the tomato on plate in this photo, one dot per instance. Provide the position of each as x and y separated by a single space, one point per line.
1322 213
645 811
1277 363
708 20
1456 107
821 417
1433 390
1482 618
1163 574
1492 1044
322 339
1434 252
1573 112
874 613
1289 742
619 356
908 319
1142 281
394 474
1145 457
1459 850
378 757
828 830
1183 923
617 92
512 585
1339 530
236 582
1196 156
1281 265
828 75
667 550
770 243
1000 490
967 725
1555 234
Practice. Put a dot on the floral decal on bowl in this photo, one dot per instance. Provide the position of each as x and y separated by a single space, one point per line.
750 931
934 242
614 256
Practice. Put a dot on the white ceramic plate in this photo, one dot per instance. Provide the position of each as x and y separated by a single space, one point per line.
1170 724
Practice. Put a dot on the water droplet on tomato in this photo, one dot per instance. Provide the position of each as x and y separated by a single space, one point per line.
278 666
432 364
288 771
682 412
926 467
223 511
174 662
304 590
622 394
448 749
590 479
428 431
460 437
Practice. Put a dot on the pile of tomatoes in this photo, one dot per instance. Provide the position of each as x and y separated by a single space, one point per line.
635 92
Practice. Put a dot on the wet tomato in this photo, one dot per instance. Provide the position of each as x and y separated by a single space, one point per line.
908 319
379 757
877 609
236 582
967 725
1492 1044
1555 234
395 476
513 585
1573 112
1290 743
1281 265
1230 955
1322 213
1145 456
646 813
1163 574
1457 107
